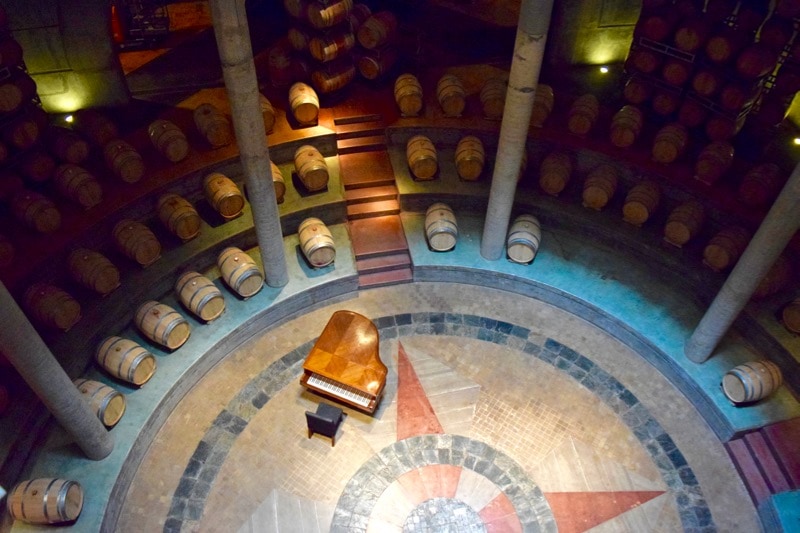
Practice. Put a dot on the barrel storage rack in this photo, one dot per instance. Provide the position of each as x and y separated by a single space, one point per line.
585 153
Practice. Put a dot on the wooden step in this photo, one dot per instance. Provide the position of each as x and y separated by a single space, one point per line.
783 439
748 470
361 144
373 209
356 119
366 169
377 236
361 129
370 194
384 278
382 263
775 478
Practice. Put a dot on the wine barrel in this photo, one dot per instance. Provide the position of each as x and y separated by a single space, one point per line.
328 13
213 125
10 184
691 34
641 202
52 306
599 187
421 157
791 316
316 242
66 145
95 126
93 270
470 158
7 252
735 96
378 30
298 38
296 8
707 82
788 8
22 131
107 403
240 272
543 100
776 32
137 242
776 279
493 98
441 227
304 103
676 72
333 77
691 113
657 24
16 91
761 185
721 127
725 248
637 91
126 360
224 195
46 501
554 172
665 102
162 324
278 182
750 15
124 161
311 168
408 95
755 61
358 16
168 139
178 216
523 239
200 296
644 60
751 381
36 211
326 48
77 184
583 114
725 44
713 161
451 95
670 143
684 223
36 165
626 125
267 113
372 64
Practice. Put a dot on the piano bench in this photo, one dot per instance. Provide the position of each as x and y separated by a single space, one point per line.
325 421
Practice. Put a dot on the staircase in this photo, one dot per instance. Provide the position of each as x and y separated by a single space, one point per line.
373 207
767 459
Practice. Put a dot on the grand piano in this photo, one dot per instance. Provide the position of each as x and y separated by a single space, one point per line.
344 363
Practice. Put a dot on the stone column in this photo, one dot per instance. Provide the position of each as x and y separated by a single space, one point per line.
780 224
25 349
233 41
534 19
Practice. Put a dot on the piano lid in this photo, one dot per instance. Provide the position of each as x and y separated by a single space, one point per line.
348 351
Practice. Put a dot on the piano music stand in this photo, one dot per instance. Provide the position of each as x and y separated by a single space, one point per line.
325 421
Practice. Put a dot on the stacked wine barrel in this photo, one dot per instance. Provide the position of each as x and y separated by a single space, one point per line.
377 51
319 47
702 69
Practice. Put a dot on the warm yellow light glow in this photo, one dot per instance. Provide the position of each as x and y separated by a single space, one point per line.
68 118
796 140
604 70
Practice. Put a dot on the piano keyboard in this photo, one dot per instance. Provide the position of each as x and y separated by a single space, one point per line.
337 389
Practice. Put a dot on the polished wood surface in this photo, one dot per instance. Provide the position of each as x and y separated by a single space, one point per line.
347 352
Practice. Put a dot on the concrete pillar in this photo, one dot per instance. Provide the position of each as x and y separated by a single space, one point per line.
233 41
534 19
780 224
26 350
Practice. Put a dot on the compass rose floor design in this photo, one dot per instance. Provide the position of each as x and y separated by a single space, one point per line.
500 414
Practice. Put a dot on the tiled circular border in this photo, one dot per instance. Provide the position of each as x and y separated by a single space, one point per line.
189 498
362 491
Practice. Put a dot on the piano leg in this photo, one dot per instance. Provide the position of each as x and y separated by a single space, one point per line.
310 433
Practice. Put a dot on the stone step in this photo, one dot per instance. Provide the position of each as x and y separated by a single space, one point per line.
373 209
748 470
384 278
383 263
370 194
361 144
361 129
357 119
377 236
366 169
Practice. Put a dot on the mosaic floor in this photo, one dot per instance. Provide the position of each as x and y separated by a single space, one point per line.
500 413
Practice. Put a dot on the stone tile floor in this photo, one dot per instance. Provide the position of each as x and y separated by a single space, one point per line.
500 411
